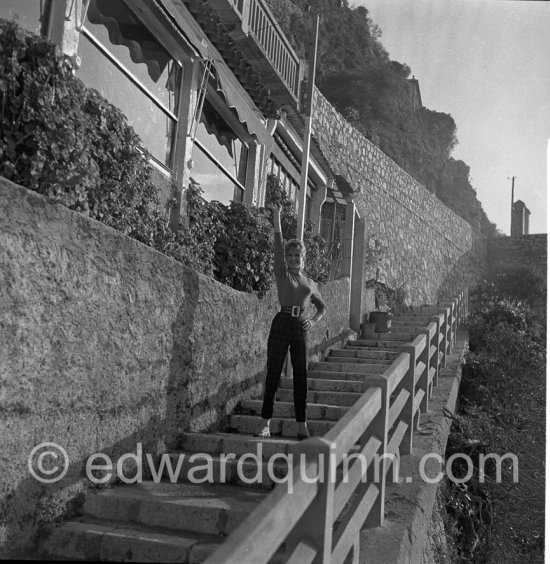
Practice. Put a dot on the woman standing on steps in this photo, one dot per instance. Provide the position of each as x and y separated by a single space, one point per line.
289 328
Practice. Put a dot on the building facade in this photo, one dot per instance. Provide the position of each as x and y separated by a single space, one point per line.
206 85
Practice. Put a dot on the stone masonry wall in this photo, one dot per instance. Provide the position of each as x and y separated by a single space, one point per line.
527 251
106 343
425 246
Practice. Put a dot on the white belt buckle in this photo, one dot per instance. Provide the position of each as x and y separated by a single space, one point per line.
296 311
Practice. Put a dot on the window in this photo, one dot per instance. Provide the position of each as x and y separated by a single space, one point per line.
284 165
333 218
27 13
286 179
130 67
219 158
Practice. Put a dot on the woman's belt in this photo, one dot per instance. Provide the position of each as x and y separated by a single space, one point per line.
295 311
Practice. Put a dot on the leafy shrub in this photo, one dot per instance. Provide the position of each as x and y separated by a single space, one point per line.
43 136
317 264
275 195
244 249
66 142
493 315
518 284
385 297
193 242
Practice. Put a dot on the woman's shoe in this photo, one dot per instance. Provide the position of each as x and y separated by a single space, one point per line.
303 434
264 433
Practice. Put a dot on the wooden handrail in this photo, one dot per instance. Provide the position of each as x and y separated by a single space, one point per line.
270 521
398 406
355 473
347 538
418 344
396 371
353 424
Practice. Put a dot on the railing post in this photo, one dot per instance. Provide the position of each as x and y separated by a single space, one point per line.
379 428
355 551
424 379
449 328
407 414
452 305
317 522
436 319
444 332
357 272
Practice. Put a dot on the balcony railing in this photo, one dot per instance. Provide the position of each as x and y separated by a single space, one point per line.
254 29
267 32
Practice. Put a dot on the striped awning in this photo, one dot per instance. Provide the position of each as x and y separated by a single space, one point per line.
233 92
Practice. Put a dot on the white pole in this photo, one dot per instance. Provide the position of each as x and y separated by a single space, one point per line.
307 135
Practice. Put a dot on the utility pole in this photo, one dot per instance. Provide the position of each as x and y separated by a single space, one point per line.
512 206
307 134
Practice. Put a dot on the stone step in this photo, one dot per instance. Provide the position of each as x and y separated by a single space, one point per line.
399 323
425 318
373 352
428 309
313 396
355 360
327 385
406 336
249 469
212 509
225 443
361 352
286 409
344 367
81 540
374 345
385 345
285 427
344 376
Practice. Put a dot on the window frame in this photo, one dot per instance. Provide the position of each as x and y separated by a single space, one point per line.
289 167
179 54
214 98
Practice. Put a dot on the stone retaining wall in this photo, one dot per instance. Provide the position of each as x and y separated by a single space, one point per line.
425 246
107 343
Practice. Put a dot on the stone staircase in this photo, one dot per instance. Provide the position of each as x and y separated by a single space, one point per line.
178 519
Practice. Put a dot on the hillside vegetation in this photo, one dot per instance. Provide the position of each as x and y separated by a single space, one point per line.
496 508
356 74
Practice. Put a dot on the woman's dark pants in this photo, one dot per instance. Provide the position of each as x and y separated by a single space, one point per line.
286 332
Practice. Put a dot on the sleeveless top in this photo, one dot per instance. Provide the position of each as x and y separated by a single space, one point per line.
294 289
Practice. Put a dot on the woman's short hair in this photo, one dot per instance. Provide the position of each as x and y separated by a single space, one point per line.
296 243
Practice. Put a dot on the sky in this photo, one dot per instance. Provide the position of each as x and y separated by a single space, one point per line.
487 64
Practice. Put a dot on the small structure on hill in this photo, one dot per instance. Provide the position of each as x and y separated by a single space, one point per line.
520 219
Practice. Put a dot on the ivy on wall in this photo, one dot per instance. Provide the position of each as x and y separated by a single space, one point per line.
66 142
